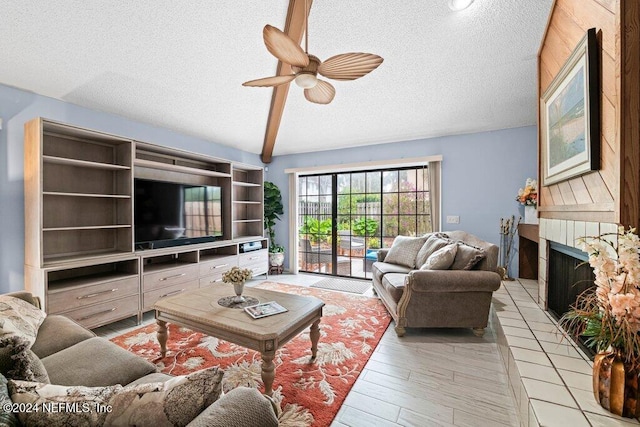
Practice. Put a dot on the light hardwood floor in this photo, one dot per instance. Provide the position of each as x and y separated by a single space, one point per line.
427 378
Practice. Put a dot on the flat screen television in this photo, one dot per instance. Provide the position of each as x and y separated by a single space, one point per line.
172 214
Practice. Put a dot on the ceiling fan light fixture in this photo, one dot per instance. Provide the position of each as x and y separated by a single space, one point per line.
306 80
457 5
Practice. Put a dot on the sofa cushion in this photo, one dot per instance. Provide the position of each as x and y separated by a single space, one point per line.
441 259
172 403
19 318
404 250
381 268
242 406
433 243
7 418
57 333
467 257
393 283
18 362
95 362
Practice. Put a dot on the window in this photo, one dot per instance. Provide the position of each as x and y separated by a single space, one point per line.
344 217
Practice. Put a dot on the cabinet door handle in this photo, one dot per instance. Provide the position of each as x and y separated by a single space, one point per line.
218 266
173 277
215 281
171 293
254 257
108 291
97 314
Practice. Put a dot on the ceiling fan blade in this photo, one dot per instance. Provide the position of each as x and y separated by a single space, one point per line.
282 47
270 81
349 66
322 93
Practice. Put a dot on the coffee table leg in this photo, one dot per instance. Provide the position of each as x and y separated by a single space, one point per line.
268 373
314 333
162 336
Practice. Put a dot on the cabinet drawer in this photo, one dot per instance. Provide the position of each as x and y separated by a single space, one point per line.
256 261
106 312
255 257
151 297
218 266
211 280
170 276
76 297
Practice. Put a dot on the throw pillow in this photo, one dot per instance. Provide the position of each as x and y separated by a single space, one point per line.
18 362
441 259
433 243
7 418
404 250
173 403
19 318
467 257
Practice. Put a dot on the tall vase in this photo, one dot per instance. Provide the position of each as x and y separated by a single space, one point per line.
238 287
530 214
615 384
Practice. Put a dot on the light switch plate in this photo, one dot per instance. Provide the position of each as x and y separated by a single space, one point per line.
453 219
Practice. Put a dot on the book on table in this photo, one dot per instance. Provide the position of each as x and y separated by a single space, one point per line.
264 309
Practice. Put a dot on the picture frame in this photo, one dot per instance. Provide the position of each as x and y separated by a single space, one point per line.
570 116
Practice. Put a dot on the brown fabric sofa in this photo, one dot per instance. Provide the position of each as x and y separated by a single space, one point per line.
439 298
75 356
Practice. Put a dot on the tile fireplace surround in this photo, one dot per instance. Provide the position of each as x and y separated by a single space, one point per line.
549 376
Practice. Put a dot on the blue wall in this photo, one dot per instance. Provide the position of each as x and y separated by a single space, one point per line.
481 175
18 107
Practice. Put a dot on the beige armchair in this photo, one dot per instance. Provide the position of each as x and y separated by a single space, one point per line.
439 298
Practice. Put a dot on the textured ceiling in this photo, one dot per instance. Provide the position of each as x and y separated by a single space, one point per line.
180 65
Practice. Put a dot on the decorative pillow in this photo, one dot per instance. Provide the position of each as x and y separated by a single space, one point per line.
404 250
18 362
7 418
467 257
433 243
172 403
441 259
19 318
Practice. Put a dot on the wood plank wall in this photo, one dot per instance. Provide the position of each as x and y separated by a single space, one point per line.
610 194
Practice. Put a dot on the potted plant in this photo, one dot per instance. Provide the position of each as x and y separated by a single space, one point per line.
608 316
272 210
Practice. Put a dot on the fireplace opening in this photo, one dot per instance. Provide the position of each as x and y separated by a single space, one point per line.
569 276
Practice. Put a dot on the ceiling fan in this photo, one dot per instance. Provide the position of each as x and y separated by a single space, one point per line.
306 67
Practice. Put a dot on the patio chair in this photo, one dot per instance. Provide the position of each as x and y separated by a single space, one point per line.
350 245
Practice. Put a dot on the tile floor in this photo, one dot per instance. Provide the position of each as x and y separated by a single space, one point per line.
452 378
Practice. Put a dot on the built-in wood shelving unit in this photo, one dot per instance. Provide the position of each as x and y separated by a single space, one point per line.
79 225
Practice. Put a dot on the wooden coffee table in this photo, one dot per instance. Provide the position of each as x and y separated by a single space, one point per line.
199 310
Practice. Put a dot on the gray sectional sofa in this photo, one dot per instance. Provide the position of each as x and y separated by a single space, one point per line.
75 356
434 298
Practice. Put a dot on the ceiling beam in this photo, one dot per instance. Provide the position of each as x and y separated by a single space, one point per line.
294 28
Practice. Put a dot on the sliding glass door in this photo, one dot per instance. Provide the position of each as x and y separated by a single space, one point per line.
344 218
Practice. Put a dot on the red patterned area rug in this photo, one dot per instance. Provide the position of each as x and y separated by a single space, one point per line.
308 393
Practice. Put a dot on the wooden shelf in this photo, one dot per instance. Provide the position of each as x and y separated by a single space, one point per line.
247 202
82 163
87 227
108 196
247 220
63 285
177 168
246 184
53 260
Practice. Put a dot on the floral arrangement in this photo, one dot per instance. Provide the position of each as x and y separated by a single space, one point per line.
609 315
528 195
237 275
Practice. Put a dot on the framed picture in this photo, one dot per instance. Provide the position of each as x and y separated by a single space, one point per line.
570 115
